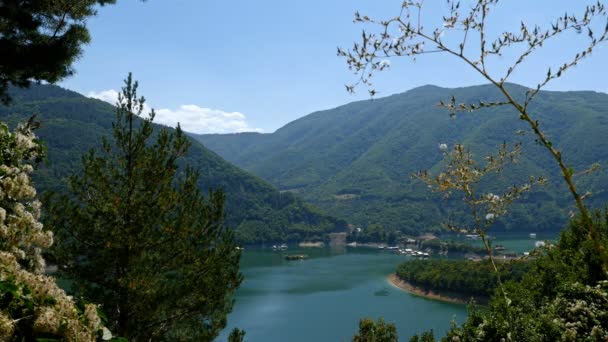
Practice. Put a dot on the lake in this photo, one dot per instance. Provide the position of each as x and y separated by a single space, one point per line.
323 298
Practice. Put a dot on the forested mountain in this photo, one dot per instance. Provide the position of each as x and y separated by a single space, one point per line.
355 161
72 124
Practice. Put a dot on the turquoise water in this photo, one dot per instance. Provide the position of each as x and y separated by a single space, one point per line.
323 298
515 242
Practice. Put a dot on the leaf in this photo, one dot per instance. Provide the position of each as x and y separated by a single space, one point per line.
8 287
119 339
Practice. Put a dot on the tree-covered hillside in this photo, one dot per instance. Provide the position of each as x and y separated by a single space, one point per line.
355 161
72 124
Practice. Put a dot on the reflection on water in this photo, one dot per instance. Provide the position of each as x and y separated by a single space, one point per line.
323 298
383 292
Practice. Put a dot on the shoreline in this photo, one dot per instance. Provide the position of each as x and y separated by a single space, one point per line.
442 296
318 244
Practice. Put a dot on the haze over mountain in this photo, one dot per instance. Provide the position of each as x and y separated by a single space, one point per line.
72 124
355 160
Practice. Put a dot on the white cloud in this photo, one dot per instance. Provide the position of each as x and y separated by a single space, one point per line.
110 96
197 119
191 117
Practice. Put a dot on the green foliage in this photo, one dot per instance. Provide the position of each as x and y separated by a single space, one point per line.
137 236
563 297
368 149
372 233
476 278
295 221
16 301
451 246
236 335
380 331
40 39
426 336
73 124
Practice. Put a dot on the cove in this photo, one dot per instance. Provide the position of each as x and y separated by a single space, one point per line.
322 298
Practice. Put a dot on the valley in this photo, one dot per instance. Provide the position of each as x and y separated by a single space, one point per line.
356 161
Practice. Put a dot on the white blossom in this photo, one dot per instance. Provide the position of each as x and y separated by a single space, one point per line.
24 141
21 258
492 198
90 312
450 22
6 327
106 334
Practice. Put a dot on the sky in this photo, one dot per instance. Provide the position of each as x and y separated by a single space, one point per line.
223 66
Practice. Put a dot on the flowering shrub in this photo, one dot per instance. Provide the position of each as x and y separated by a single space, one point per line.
578 313
31 304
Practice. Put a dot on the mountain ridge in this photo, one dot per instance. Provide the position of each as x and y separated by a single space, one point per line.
371 147
71 124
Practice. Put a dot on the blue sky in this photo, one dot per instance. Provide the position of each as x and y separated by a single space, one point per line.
238 65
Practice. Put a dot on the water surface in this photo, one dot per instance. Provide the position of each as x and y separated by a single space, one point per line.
323 298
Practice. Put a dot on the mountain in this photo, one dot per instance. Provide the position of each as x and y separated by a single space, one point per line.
355 160
72 124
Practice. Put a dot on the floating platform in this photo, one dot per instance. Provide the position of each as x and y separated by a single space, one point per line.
296 257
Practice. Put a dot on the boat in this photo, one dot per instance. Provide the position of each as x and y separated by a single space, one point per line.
532 235
296 257
279 247
407 251
499 248
473 236
419 254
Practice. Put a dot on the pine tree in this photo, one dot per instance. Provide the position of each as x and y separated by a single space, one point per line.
380 331
40 39
136 235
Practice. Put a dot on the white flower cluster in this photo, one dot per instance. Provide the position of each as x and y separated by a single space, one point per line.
19 214
60 318
492 198
385 63
23 239
581 318
495 206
